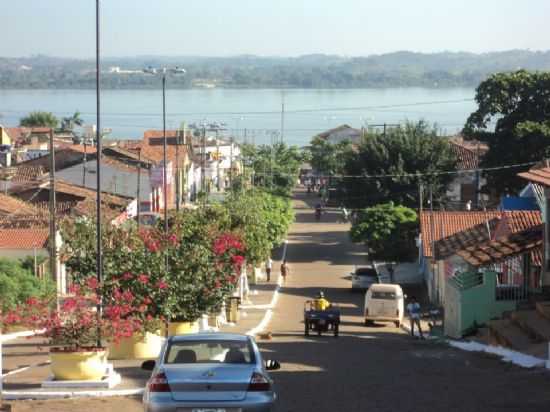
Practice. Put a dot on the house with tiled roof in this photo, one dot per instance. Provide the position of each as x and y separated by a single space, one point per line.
467 184
341 133
447 229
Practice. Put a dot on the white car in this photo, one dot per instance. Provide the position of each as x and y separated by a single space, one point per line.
385 303
363 278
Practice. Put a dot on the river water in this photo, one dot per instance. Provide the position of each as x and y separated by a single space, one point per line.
253 115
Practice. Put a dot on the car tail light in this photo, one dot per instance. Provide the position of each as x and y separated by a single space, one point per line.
159 383
259 383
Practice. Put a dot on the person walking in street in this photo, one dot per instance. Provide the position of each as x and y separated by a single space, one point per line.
413 309
284 270
268 266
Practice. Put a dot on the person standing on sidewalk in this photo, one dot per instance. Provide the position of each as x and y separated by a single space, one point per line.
284 270
413 309
268 266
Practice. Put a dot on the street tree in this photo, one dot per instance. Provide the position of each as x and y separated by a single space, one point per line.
39 119
392 166
276 167
388 231
329 158
513 119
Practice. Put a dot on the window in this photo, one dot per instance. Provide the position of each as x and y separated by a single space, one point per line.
210 351
384 295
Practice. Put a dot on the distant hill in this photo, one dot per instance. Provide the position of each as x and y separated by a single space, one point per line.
399 69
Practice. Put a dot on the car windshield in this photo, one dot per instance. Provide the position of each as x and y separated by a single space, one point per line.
366 272
209 351
384 295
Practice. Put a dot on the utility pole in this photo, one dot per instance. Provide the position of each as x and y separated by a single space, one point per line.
53 228
139 189
218 186
99 257
282 116
384 131
420 196
231 164
203 163
178 135
84 166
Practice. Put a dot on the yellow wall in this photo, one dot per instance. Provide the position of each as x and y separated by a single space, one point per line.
4 138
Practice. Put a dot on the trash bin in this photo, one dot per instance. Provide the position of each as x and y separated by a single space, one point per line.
232 309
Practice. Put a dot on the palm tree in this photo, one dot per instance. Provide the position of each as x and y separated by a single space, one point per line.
70 122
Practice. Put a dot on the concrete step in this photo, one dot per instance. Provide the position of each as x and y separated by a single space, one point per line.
543 308
505 332
533 323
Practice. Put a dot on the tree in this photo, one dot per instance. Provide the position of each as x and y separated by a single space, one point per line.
68 123
517 105
329 158
39 119
393 160
275 167
389 232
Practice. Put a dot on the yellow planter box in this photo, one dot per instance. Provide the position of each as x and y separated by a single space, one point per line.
139 346
78 366
182 328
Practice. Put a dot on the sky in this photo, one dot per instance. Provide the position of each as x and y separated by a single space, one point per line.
66 28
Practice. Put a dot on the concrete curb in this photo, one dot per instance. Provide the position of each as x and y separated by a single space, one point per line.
269 313
22 334
39 395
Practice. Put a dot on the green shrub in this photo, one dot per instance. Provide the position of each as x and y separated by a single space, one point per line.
17 284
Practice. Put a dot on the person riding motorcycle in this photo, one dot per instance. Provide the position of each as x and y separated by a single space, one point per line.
318 209
320 303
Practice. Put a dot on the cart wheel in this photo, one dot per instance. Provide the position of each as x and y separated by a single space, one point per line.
319 331
306 328
368 322
397 324
336 330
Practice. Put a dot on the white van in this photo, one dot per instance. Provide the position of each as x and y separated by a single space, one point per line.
384 302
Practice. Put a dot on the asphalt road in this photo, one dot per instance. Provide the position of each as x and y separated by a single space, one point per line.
375 368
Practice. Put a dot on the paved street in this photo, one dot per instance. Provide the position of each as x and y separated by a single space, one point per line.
378 368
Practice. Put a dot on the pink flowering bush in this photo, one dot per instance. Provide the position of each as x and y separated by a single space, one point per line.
75 325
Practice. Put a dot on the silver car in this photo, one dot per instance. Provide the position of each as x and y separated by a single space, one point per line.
210 372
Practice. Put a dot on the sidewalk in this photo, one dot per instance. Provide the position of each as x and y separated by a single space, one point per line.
26 360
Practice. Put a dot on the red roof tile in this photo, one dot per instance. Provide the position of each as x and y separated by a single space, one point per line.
500 250
23 238
538 174
438 225
468 153
11 205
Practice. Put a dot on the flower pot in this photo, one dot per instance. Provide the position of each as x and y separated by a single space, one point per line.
85 365
139 346
182 328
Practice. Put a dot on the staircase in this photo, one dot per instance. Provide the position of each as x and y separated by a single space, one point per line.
525 330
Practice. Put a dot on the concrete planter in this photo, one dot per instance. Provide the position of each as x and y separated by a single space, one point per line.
78 366
139 346
182 328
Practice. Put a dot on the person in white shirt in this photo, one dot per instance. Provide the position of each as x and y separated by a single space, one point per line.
268 266
413 309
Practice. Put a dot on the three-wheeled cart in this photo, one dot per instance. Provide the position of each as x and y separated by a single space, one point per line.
321 320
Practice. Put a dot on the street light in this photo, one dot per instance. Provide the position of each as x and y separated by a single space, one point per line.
163 72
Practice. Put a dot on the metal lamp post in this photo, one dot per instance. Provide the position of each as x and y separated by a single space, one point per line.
163 72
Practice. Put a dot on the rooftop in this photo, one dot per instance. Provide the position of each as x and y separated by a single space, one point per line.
539 173
437 225
10 205
28 238
468 153
499 250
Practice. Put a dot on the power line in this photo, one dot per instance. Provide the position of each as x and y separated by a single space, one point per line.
429 174
277 112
